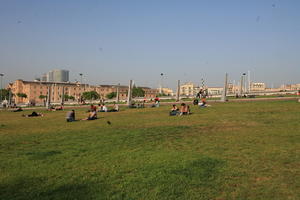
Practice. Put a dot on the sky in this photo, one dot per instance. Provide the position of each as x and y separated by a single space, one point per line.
113 41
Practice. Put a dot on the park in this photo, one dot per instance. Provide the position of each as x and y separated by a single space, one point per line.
232 150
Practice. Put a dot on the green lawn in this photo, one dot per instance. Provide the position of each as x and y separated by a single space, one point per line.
234 150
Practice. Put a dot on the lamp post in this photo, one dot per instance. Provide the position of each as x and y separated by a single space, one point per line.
161 80
80 78
1 76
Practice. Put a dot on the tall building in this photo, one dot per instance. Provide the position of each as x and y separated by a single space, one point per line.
58 75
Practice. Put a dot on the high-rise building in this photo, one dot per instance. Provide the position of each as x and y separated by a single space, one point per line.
58 75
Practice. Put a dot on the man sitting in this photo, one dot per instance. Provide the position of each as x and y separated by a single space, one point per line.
71 116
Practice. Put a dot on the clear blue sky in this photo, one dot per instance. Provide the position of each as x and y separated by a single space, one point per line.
113 41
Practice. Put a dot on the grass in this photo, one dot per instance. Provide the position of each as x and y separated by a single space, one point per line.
235 150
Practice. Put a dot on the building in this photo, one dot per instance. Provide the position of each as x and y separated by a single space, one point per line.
290 87
57 75
166 91
35 90
257 87
189 89
215 90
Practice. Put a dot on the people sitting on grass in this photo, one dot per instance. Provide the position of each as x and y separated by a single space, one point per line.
71 116
34 114
52 108
184 109
174 110
18 109
92 116
115 108
103 108
203 103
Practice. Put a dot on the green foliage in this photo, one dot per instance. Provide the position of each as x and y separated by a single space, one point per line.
111 95
4 94
233 150
92 95
42 96
22 95
137 92
67 97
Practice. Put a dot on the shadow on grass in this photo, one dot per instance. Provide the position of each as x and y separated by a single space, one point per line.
42 155
35 189
194 179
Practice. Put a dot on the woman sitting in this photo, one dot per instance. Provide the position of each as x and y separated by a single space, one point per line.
184 109
174 110
92 115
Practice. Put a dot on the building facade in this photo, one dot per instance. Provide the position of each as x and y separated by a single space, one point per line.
189 89
255 87
57 75
35 90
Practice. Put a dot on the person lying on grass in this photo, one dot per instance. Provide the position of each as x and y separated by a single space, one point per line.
34 114
92 116
174 110
19 109
71 116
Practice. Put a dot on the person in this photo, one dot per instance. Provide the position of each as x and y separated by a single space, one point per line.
59 108
71 116
92 116
195 102
174 110
93 108
19 109
115 108
203 102
184 109
34 114
157 100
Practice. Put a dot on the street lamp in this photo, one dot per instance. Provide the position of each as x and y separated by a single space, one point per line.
80 78
1 76
161 79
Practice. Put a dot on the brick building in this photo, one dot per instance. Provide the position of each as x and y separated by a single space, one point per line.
34 89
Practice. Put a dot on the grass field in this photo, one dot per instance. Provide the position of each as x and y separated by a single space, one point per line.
235 150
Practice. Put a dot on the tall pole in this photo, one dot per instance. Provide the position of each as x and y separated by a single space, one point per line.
48 103
63 96
224 97
117 95
80 78
129 95
178 90
241 85
249 82
1 76
161 80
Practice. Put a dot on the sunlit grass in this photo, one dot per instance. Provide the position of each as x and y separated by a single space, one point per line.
247 150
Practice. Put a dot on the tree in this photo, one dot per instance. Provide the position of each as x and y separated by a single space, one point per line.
67 97
4 94
111 95
22 95
92 95
42 97
137 92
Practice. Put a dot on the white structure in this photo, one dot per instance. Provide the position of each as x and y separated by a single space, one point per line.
58 75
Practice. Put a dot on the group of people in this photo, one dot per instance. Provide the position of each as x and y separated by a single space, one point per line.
183 110
92 112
